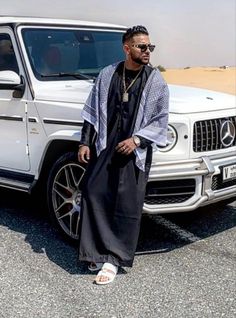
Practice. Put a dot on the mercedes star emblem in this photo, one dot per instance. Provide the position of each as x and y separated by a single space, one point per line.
227 133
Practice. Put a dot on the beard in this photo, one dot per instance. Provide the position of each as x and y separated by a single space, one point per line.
139 60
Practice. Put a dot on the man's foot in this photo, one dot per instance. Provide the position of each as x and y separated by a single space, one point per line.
93 267
107 274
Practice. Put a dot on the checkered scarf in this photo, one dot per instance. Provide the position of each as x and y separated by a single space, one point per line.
152 117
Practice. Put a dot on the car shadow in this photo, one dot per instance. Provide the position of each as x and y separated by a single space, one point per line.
196 225
22 214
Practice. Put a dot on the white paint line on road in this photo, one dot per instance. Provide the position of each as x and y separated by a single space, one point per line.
161 250
183 234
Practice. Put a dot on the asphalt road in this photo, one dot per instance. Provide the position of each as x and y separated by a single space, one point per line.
184 267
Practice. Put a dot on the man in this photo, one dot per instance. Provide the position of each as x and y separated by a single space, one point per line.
125 114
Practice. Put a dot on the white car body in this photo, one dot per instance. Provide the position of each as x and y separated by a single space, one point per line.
181 179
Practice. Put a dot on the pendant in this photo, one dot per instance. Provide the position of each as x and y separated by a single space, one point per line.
125 97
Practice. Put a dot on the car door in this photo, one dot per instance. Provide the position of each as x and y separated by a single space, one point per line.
13 122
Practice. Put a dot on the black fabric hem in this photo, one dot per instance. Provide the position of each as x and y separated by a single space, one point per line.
106 259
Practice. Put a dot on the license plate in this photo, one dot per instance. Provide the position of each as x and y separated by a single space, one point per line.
229 172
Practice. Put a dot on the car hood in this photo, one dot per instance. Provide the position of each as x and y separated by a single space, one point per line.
63 91
183 99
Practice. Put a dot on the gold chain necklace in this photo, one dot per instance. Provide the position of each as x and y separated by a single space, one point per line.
125 97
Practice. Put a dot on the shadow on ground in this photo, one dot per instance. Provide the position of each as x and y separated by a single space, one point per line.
21 214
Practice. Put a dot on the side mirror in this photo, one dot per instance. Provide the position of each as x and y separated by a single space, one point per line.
12 81
9 78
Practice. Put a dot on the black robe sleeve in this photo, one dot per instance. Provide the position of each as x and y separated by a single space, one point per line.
87 134
144 142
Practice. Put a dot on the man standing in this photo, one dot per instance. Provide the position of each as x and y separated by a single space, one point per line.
125 114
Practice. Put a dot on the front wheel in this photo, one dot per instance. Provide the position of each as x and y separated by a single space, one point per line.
64 194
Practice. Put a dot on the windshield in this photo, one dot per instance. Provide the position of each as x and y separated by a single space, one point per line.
54 51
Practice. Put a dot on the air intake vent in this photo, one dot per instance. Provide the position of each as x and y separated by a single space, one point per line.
169 191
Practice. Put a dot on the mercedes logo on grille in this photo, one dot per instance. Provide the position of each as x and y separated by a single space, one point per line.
227 133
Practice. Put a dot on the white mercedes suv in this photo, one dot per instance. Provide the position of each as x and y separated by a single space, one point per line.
47 69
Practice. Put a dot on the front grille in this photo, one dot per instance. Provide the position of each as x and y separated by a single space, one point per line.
206 134
218 184
169 191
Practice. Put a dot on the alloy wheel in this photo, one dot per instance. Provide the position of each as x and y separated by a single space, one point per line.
66 198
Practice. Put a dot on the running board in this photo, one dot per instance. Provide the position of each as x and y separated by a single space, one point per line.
15 184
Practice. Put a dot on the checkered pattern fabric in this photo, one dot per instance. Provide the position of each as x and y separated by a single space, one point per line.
152 118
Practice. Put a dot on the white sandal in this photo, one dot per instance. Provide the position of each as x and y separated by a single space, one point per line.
93 267
108 271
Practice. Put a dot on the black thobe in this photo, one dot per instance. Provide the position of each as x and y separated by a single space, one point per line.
114 187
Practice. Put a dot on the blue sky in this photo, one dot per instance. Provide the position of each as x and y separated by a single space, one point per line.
186 32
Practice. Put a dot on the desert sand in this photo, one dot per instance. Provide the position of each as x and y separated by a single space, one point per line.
213 78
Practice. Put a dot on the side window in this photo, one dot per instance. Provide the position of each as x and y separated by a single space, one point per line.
8 60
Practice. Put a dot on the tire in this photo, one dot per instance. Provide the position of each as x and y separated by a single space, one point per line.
64 195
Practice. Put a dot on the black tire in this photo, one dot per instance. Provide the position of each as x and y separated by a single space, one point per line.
64 195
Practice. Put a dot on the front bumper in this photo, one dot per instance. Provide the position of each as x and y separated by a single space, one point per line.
198 177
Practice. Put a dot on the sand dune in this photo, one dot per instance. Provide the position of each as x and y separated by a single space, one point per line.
218 79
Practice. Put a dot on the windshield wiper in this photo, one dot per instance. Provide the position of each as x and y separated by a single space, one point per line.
76 75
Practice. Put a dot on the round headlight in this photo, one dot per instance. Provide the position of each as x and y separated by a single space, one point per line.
171 139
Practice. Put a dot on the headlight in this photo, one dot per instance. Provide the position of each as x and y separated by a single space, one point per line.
172 137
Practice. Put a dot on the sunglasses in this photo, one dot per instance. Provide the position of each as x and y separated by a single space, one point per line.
144 47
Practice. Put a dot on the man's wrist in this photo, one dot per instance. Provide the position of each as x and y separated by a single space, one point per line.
82 145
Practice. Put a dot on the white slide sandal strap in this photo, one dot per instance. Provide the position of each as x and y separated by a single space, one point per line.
109 271
110 267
